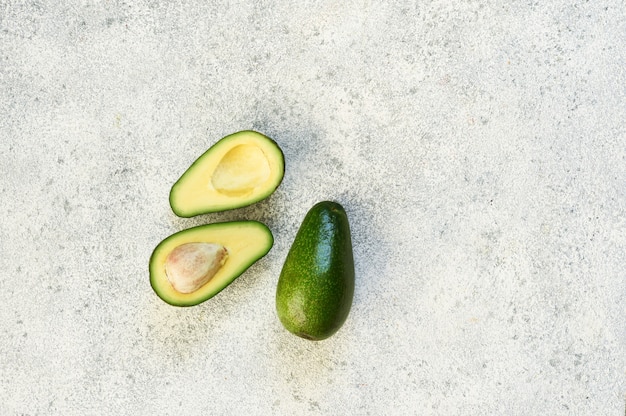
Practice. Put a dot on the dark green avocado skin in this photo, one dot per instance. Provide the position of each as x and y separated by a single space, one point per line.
316 285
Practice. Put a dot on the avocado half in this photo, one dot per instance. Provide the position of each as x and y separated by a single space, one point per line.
245 241
238 170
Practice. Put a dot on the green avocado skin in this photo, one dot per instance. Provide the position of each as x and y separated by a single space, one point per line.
316 285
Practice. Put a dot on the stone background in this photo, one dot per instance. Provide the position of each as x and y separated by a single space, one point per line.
479 148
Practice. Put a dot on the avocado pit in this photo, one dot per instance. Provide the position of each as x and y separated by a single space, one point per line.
191 265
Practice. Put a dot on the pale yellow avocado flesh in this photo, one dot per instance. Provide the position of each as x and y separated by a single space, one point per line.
243 169
237 171
245 241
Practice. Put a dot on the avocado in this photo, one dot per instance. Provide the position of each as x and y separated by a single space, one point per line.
195 264
238 170
316 285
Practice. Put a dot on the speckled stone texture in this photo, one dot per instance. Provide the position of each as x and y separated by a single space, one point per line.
479 148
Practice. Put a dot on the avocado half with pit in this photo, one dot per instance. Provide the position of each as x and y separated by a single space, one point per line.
238 170
193 265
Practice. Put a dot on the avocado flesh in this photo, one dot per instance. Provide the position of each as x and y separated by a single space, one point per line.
316 285
238 170
245 241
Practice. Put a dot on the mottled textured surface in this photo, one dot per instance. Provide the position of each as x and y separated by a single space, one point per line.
479 148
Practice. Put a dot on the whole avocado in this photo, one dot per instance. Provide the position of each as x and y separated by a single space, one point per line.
316 285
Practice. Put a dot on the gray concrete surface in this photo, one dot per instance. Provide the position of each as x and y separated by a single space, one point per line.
479 148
